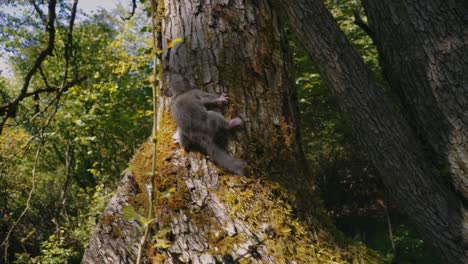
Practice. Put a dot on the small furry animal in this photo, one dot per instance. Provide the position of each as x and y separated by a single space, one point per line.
198 126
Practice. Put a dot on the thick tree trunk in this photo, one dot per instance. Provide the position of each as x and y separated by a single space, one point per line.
423 46
237 48
412 179
115 239
204 214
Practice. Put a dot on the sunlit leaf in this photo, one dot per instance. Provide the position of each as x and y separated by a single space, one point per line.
162 233
168 193
163 243
173 42
129 213
145 221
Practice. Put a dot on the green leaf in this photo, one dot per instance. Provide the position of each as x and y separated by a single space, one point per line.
145 221
129 213
161 233
158 52
163 243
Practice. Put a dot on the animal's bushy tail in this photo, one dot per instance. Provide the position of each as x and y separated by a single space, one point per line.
221 157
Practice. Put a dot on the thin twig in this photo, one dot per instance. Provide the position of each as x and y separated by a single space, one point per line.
389 223
44 78
5 242
40 135
39 11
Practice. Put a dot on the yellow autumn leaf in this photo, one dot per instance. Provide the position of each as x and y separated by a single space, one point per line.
173 42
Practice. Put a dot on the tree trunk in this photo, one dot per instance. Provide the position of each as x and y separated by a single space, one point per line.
115 239
205 214
411 178
238 48
423 46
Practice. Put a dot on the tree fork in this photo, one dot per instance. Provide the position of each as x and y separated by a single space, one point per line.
412 180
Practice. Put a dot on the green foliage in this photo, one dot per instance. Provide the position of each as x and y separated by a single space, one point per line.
55 250
410 248
88 142
91 208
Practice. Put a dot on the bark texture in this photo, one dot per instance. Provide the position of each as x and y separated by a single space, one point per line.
412 179
237 47
423 46
233 47
115 240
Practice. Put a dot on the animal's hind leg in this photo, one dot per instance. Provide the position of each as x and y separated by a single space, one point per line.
216 122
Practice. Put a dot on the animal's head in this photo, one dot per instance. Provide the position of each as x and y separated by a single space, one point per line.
178 84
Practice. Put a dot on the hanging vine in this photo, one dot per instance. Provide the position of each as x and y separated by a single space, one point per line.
151 192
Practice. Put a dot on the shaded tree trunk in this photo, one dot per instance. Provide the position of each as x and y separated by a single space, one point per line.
204 214
423 46
413 180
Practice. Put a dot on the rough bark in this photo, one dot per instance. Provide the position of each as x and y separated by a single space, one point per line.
234 47
412 179
423 47
115 240
237 47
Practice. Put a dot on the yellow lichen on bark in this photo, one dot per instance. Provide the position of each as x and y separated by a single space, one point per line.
267 208
166 173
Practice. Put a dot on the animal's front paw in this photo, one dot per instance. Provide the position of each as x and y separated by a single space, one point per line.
223 99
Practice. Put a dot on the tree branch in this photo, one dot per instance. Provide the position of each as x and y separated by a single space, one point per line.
48 50
134 5
44 78
69 43
9 109
39 11
48 89
360 23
